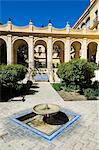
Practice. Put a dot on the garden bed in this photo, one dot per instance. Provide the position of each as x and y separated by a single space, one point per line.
73 96
76 80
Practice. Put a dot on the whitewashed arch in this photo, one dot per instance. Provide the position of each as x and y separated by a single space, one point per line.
76 40
40 39
90 41
4 39
61 44
3 52
92 53
59 40
16 42
19 38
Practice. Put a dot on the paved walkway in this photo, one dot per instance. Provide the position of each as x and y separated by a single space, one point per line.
83 136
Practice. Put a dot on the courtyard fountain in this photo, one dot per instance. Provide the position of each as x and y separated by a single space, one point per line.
52 114
46 120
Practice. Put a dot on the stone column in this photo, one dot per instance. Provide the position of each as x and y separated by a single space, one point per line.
84 49
9 49
49 59
67 50
97 55
31 52
30 57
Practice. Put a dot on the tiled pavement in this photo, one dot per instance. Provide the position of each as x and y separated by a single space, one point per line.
82 136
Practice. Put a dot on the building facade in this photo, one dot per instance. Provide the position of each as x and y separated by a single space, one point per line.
90 17
46 47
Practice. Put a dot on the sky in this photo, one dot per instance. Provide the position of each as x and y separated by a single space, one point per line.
41 11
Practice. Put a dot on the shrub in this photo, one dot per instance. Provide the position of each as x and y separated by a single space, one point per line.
29 84
90 94
56 86
9 77
77 71
10 74
22 89
95 85
71 87
97 92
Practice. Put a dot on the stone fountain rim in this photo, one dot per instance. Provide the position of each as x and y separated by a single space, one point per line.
49 112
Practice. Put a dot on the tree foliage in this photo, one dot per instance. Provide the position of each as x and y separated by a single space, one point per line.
11 74
77 71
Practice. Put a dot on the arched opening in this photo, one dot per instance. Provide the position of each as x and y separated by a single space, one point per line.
3 52
75 49
20 48
58 53
91 51
83 25
88 23
40 54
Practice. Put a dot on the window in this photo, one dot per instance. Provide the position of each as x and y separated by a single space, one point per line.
83 25
96 13
97 27
39 50
96 16
88 23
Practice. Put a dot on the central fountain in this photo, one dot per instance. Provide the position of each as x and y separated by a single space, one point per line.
52 114
46 120
46 109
